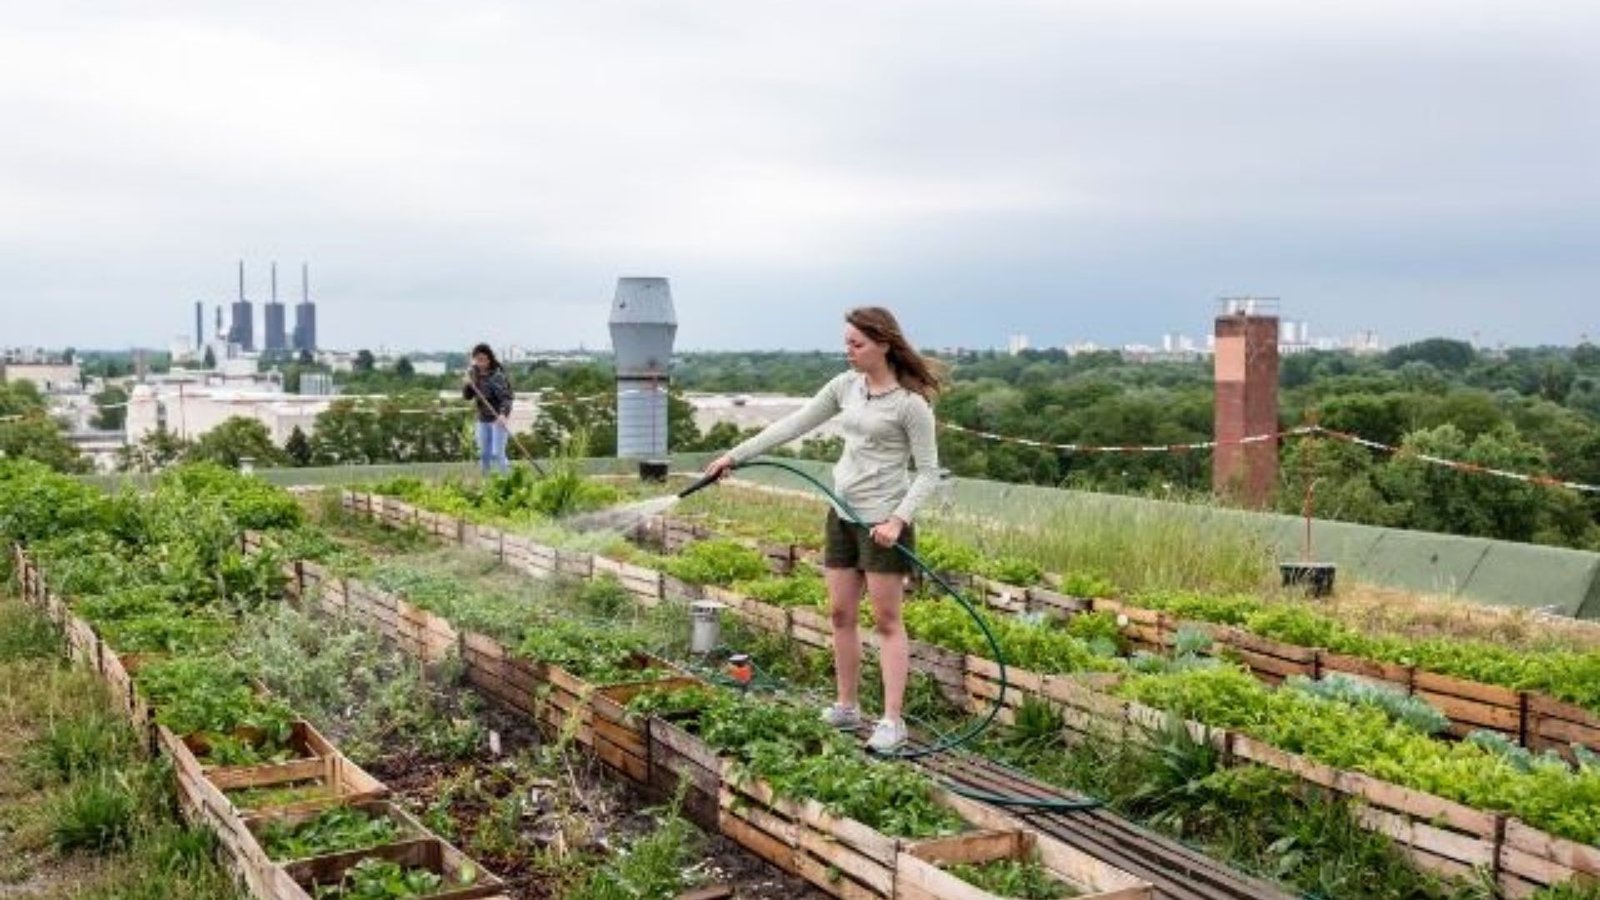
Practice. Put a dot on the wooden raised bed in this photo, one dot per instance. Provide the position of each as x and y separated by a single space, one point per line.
296 880
407 827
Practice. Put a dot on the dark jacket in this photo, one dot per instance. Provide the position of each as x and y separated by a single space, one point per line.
496 388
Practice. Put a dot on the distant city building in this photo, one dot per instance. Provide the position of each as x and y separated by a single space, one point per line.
189 407
316 384
1016 344
49 377
750 411
429 367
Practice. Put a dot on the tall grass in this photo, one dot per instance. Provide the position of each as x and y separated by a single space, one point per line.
1136 547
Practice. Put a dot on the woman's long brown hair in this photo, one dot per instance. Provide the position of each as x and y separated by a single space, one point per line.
914 371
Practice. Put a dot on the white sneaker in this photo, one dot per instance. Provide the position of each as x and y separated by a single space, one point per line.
889 734
841 716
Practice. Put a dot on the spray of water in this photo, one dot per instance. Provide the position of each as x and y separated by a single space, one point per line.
621 519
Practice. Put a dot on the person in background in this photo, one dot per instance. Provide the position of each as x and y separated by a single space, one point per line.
884 410
490 390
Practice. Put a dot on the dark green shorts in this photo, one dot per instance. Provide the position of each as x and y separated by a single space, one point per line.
848 546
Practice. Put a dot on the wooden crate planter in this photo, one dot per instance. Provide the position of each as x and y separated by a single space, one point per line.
675 588
1553 724
677 756
1472 706
842 857
1048 601
983 683
118 670
1271 661
204 793
780 557
82 642
809 625
297 878
947 668
305 742
1439 835
1530 859
378 610
1145 629
621 740
492 669
487 539
643 583
575 563
407 828
1094 877
566 702
998 595
920 872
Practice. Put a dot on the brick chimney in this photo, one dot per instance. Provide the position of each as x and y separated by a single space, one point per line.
1246 400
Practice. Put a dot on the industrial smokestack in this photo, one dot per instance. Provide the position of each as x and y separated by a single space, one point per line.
274 281
241 280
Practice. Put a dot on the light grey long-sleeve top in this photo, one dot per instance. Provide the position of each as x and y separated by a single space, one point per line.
882 433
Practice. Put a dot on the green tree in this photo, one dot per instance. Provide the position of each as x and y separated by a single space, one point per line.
1441 353
682 432
1440 498
306 359
364 361
210 360
403 367
297 448
153 452
415 427
113 409
583 402
27 431
236 439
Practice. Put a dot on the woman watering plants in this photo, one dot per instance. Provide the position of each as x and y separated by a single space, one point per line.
884 410
489 389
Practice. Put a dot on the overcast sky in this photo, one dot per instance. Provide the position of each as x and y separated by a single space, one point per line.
1072 170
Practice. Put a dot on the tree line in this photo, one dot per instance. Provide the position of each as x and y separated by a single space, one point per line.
1532 410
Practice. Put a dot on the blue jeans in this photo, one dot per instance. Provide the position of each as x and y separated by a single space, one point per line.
492 447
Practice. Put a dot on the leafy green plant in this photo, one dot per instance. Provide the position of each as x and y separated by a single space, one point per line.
336 830
1021 879
1364 738
801 589
1081 584
211 697
1012 570
1407 710
605 596
943 554
251 502
379 879
1036 646
801 757
719 561
1097 629
278 795
597 654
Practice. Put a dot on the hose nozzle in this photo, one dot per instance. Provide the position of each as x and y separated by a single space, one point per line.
704 482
